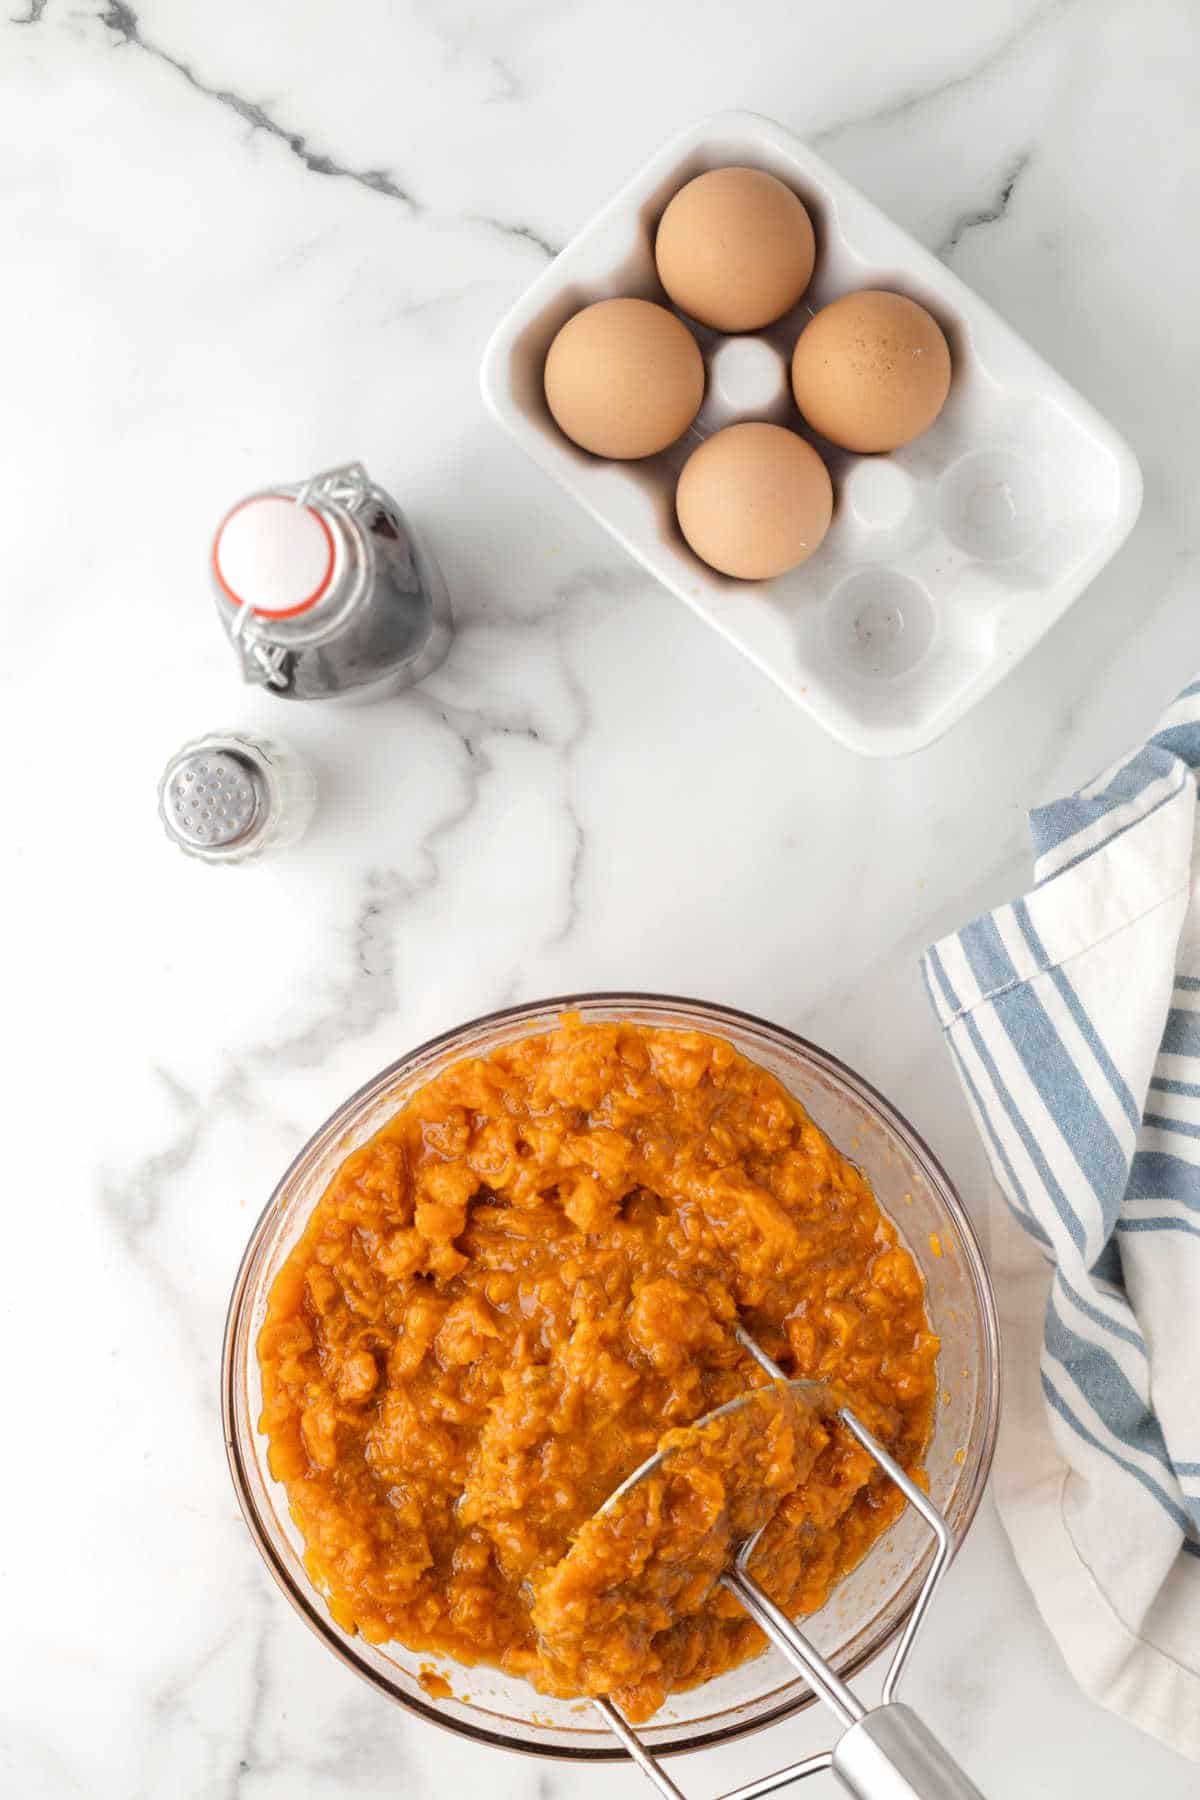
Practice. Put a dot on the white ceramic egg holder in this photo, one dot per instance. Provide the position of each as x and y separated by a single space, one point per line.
946 561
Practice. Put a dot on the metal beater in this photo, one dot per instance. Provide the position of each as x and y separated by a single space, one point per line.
885 1753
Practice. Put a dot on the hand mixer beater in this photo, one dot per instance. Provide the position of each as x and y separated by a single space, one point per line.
647 1558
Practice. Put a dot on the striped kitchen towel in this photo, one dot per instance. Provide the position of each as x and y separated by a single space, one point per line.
1073 1018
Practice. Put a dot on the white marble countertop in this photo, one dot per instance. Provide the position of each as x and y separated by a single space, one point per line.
246 241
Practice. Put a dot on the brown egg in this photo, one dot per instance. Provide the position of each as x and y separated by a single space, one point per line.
624 378
735 249
871 371
754 500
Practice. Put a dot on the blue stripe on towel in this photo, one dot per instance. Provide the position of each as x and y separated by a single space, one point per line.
1086 1029
1125 1332
1106 1388
1189 1090
1160 1122
1016 1197
990 962
1181 1034
1177 1514
934 961
1184 1225
1157 1176
1182 741
1018 1200
1030 1144
1130 780
1052 825
1107 1266
1052 1072
1173 793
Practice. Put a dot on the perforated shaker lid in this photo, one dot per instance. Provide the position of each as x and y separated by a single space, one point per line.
211 796
274 556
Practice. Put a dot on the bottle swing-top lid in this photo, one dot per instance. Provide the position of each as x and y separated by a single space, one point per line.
274 556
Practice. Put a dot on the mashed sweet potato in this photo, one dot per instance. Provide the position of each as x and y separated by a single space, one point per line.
533 1271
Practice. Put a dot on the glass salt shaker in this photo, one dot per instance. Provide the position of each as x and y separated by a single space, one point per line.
326 594
231 796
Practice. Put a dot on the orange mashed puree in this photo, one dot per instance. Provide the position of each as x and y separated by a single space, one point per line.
654 1554
523 1279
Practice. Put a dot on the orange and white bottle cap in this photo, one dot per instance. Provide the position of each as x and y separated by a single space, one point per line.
274 556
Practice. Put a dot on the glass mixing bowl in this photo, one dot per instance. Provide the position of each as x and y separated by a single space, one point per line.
868 1607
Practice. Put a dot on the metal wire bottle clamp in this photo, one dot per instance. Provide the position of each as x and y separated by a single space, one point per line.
883 1753
325 591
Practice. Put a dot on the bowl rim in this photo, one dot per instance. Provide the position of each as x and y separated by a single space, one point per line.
307 1604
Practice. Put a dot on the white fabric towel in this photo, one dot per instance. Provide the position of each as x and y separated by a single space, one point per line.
1073 1017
